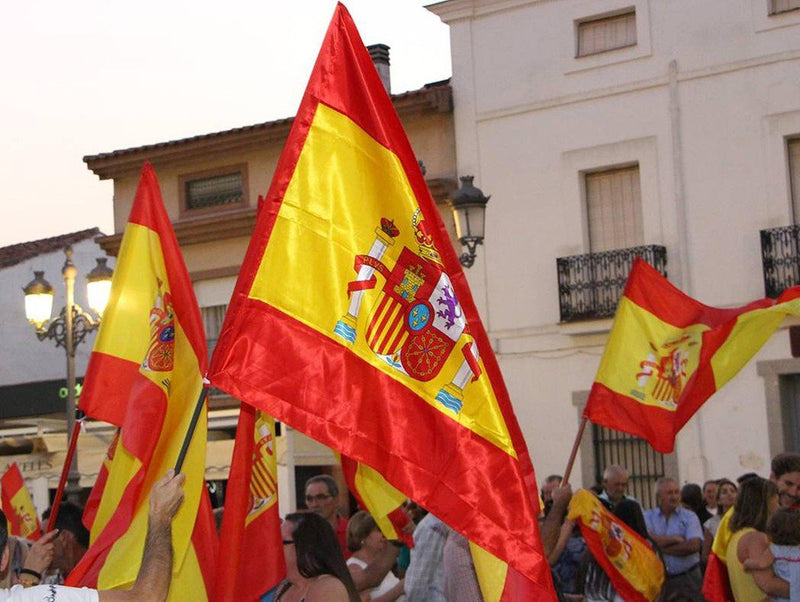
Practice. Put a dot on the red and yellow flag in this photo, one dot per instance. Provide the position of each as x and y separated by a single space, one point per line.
145 375
383 502
18 506
633 567
251 525
352 320
667 354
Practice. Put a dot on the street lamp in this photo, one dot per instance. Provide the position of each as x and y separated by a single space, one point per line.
469 208
69 328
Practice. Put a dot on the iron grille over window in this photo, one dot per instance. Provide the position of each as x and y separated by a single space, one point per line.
608 32
782 6
214 191
644 465
780 258
590 286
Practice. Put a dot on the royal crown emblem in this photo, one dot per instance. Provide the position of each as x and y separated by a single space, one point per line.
416 322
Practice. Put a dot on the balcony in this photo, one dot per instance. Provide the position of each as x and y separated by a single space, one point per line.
780 257
590 286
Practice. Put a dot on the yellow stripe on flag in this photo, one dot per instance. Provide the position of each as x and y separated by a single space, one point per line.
491 573
307 251
648 359
139 254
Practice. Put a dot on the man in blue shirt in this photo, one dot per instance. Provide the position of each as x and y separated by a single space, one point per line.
678 533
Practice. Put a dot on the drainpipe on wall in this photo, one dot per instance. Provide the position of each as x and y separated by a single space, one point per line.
695 467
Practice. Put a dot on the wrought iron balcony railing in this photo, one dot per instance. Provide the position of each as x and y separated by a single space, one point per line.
590 286
780 256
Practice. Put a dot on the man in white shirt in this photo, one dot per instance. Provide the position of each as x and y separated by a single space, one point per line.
155 573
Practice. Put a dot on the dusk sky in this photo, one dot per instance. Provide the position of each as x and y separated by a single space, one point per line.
92 76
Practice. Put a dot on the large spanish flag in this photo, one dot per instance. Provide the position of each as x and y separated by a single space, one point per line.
352 321
145 375
633 567
18 505
668 353
251 525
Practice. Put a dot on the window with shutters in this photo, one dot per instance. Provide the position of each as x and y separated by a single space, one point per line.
793 155
606 32
208 191
783 6
213 316
614 209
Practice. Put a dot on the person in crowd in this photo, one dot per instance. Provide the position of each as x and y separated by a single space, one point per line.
692 499
368 546
155 574
783 554
69 545
460 579
550 483
322 498
567 558
597 586
756 502
678 534
726 497
615 485
710 489
424 581
315 565
786 474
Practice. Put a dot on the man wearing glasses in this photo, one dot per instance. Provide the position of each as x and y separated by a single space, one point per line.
322 497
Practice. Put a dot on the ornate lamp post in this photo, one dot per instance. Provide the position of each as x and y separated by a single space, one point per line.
69 328
469 208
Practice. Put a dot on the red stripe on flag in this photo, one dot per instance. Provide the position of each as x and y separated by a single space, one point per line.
426 470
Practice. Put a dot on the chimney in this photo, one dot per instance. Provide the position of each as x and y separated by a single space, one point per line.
380 57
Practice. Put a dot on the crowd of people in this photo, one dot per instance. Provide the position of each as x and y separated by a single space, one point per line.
751 525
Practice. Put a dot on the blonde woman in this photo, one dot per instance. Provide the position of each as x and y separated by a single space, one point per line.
369 547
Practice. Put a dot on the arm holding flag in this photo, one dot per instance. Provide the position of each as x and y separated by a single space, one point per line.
155 573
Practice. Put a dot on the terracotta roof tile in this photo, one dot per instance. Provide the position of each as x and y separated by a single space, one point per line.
14 254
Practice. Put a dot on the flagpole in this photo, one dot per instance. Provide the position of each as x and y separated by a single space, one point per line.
62 482
198 408
574 451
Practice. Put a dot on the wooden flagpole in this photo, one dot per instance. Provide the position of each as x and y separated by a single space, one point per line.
62 482
574 451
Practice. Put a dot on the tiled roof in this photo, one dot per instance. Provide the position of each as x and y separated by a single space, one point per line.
258 127
14 254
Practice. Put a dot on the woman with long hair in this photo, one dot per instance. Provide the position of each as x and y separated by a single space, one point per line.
315 567
726 497
366 544
756 502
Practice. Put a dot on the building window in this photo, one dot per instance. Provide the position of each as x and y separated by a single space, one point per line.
607 32
644 465
213 316
793 156
782 6
614 209
790 410
212 190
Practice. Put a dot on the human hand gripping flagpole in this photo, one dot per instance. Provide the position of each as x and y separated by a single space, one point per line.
198 409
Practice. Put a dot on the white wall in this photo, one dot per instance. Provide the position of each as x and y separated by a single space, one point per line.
530 117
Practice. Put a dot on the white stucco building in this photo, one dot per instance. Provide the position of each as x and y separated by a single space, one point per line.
601 125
